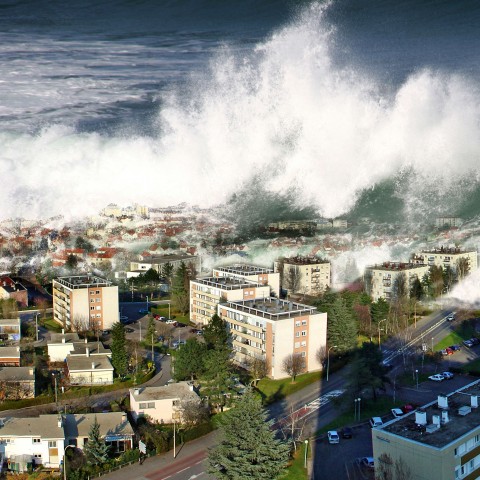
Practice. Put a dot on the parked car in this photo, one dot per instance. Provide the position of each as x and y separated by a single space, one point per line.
447 375
123 318
397 412
333 436
180 325
376 422
408 407
468 343
347 432
160 338
367 462
438 377
170 321
144 311
199 332
450 317
447 351
455 348
105 332
178 343
129 330
159 317
475 340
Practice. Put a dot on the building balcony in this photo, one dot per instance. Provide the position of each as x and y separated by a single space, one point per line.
244 346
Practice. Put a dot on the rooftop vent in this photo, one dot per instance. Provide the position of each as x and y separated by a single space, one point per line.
474 401
432 428
445 418
93 365
442 401
421 417
136 391
436 420
465 410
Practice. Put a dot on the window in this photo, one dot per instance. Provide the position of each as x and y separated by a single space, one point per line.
99 315
36 440
99 307
303 354
98 292
92 300
297 344
297 334
304 343
304 333
304 322
297 323
92 292
52 444
92 308
99 300
146 405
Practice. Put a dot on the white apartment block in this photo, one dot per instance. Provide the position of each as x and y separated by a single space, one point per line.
207 293
440 440
271 329
447 257
158 263
85 299
309 275
381 278
263 276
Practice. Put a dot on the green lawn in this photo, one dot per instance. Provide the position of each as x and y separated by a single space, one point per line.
472 368
51 325
273 390
451 339
297 470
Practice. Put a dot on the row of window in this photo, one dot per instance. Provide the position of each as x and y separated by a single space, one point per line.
300 344
93 300
98 307
298 323
467 446
463 470
304 334
146 405
94 292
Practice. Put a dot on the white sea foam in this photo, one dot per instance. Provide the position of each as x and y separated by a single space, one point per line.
283 112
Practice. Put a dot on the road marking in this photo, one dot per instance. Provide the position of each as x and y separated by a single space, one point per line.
196 476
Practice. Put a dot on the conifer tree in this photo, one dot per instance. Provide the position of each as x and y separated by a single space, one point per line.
342 327
249 449
151 335
180 297
215 333
95 450
119 351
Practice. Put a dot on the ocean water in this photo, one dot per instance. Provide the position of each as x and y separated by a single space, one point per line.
329 108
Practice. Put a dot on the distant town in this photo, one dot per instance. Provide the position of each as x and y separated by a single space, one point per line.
125 335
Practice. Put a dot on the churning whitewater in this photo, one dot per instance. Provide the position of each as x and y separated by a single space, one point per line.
282 110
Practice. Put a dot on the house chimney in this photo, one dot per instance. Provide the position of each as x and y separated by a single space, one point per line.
442 401
93 365
136 391
421 417
436 420
30 371
445 418
86 340
59 421
474 401
63 339
63 331
87 352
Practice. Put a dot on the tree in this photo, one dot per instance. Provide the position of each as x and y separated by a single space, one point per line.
379 310
292 279
151 335
258 368
95 450
190 360
180 297
72 262
249 448
449 277
416 289
436 280
399 288
389 469
293 364
167 272
218 376
193 412
9 308
119 351
151 276
341 327
463 268
84 244
215 333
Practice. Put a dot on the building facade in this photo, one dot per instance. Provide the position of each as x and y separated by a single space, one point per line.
158 263
207 293
261 275
441 440
85 300
380 279
271 329
447 257
304 275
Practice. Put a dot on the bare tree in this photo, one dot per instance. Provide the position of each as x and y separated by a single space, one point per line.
463 268
9 308
258 368
321 355
42 305
80 324
292 426
389 469
193 412
292 280
293 364
15 389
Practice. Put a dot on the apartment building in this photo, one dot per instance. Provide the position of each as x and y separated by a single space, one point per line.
441 440
271 329
158 263
263 276
85 300
380 279
304 275
207 293
447 257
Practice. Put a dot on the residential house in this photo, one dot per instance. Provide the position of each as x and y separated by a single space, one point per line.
162 404
89 369
158 263
10 356
10 330
17 383
10 288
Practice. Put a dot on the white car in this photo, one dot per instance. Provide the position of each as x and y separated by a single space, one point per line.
438 377
333 436
376 422
170 322
447 375
397 412
451 317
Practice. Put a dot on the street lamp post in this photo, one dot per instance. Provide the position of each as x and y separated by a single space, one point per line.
140 323
36 325
432 343
174 440
328 359
359 404
379 329
169 315
56 393
306 449
65 461
416 375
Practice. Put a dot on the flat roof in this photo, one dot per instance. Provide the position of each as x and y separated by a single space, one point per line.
169 391
448 251
94 348
304 261
227 283
461 421
273 308
243 269
396 266
70 337
166 259
83 281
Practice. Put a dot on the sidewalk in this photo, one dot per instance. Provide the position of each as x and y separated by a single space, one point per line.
162 466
